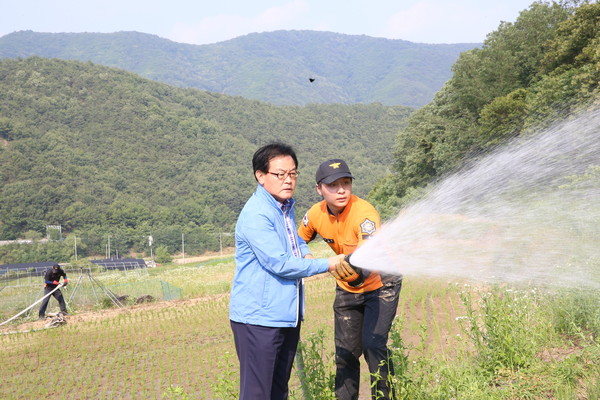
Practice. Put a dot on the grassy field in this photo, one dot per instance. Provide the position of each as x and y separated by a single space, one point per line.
452 340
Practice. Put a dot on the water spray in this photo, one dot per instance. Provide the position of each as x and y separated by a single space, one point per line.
528 212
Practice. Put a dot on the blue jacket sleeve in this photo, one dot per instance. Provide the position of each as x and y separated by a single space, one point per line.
273 251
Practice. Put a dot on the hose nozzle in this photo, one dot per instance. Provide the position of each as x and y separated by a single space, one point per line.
361 274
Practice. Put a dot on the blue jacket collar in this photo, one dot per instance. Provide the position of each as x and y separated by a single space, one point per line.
262 193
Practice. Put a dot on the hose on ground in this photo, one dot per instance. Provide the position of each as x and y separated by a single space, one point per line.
31 306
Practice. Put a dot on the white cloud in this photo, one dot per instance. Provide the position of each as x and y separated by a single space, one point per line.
436 22
223 27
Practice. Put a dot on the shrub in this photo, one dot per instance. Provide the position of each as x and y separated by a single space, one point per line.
162 255
501 328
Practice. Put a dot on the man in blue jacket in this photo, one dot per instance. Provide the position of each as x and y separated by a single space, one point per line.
267 295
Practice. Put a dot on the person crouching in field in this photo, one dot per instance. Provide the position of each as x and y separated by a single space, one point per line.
267 295
51 281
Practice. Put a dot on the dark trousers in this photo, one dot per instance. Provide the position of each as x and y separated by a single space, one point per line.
58 296
362 325
266 356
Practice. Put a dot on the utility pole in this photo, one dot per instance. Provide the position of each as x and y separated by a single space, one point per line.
108 248
183 248
75 237
150 242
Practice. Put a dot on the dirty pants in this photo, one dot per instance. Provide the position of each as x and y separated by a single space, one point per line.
57 295
362 325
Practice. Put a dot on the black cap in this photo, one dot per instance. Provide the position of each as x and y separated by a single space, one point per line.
332 170
56 266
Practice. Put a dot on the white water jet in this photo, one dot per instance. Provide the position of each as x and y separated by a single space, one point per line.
528 212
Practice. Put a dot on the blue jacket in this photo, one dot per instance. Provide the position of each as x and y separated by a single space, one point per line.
267 285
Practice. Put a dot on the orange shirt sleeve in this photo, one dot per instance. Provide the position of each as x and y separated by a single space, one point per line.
366 222
306 229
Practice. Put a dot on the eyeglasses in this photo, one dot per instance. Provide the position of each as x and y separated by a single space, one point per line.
282 175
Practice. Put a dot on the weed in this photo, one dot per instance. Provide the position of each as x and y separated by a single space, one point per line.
315 369
576 313
401 379
501 328
175 392
227 385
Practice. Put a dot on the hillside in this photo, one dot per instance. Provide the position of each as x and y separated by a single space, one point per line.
274 67
92 147
543 67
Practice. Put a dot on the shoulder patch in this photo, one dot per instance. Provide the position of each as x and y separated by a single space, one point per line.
305 219
367 226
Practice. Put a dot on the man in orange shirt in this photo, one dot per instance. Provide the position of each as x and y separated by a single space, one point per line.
364 309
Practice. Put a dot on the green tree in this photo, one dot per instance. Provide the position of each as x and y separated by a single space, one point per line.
162 255
33 235
501 118
577 40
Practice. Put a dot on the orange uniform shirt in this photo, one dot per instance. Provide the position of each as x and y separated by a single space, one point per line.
344 233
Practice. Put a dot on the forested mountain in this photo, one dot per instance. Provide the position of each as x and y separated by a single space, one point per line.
274 67
541 67
101 150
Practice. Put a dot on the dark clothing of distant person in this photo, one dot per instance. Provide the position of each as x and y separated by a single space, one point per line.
51 280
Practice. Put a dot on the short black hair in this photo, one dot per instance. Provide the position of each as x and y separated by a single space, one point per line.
262 156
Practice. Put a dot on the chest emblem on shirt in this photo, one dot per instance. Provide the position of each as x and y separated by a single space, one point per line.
367 226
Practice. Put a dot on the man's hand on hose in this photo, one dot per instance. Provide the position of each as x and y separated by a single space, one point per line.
65 282
346 272
333 261
55 283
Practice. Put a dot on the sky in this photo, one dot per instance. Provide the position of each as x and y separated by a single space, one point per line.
212 21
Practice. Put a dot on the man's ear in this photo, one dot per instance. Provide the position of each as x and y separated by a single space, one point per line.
260 177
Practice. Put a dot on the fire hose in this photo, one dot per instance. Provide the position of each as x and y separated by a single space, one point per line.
31 306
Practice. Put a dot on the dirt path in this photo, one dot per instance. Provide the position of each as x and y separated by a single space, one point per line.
205 257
